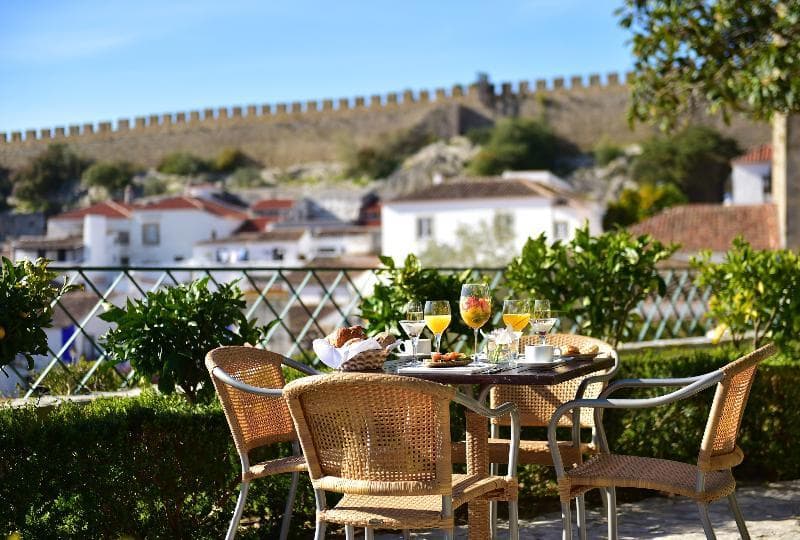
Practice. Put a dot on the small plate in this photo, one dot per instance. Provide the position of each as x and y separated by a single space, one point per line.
561 360
409 356
452 363
590 356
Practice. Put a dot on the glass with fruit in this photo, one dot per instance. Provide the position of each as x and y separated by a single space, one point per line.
437 317
475 306
542 319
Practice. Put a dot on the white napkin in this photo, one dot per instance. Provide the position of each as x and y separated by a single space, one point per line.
333 357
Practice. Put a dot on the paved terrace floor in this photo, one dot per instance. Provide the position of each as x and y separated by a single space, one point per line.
771 511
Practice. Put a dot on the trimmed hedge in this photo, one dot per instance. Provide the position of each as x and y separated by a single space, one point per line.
156 466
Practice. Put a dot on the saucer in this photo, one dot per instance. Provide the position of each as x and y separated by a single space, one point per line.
561 360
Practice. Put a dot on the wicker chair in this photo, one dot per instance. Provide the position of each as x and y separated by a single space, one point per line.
711 479
537 405
249 382
384 442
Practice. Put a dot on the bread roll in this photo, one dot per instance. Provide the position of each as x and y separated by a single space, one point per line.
385 339
570 349
340 336
591 349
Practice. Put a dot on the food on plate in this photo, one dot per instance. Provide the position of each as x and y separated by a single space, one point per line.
385 339
340 336
446 357
570 350
591 349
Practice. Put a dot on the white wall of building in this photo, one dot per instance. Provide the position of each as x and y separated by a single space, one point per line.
62 228
529 218
258 252
747 181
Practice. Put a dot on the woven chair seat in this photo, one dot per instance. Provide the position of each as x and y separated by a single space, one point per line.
607 470
530 452
275 466
413 511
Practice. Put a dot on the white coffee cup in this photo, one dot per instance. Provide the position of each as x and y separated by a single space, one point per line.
423 347
542 354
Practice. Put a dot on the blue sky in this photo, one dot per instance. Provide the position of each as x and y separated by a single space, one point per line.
68 62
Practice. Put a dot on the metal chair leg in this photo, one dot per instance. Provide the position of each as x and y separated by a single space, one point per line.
566 519
611 512
737 514
449 534
319 533
406 534
513 520
349 532
580 506
707 527
237 513
287 512
369 534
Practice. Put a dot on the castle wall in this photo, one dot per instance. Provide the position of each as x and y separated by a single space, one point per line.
284 134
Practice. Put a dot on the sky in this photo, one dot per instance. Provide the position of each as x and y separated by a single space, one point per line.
83 61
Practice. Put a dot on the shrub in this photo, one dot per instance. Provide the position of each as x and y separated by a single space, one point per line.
230 159
595 281
168 333
47 182
382 158
634 205
605 152
27 293
754 291
114 177
515 144
183 164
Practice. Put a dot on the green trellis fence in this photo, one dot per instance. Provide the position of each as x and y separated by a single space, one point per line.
308 301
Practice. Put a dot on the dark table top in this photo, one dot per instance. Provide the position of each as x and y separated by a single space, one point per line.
518 375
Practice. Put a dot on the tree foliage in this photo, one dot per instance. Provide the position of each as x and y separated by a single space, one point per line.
183 164
382 157
754 291
647 200
594 281
696 159
230 159
517 144
168 333
113 177
27 293
5 187
48 181
726 55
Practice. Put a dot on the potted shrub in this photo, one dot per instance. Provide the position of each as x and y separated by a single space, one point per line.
28 292
167 333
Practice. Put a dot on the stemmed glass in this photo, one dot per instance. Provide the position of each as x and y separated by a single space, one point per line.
475 306
437 317
413 325
542 319
516 316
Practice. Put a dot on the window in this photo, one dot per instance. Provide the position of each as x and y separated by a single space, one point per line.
150 234
424 228
41 253
766 181
560 230
123 238
125 261
61 255
278 254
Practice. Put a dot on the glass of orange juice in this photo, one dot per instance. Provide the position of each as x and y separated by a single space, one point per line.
437 317
516 316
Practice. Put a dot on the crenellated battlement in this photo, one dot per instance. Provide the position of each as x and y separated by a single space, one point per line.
281 111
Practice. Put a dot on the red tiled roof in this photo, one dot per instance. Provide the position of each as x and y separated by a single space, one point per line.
194 203
759 154
482 188
269 204
713 226
109 209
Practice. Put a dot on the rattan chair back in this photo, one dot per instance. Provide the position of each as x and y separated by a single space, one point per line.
538 403
718 449
374 434
254 420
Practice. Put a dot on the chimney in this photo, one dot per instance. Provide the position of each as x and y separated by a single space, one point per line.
127 195
438 178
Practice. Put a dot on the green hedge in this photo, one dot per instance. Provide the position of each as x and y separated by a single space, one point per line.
155 466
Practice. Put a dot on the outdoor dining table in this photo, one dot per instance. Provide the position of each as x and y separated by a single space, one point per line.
476 426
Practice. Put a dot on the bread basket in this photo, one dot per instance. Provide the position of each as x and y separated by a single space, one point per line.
371 360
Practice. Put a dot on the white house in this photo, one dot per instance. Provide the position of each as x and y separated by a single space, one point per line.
284 247
751 176
527 207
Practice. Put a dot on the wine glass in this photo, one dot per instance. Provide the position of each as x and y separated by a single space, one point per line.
413 325
475 306
516 316
542 319
437 317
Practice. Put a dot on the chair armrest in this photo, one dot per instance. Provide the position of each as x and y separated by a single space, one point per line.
504 409
294 364
607 376
220 374
691 386
648 383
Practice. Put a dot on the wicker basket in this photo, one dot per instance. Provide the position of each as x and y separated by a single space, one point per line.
371 360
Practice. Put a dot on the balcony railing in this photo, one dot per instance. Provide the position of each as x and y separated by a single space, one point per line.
309 303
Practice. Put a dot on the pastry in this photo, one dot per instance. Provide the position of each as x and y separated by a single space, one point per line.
340 336
591 349
385 339
570 350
